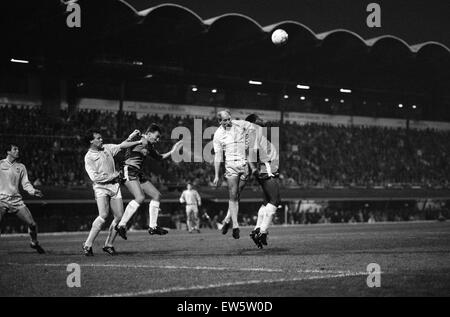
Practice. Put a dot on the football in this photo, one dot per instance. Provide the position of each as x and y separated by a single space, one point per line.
279 37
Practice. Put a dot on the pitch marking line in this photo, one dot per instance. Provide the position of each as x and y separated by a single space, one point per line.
184 267
209 286
145 266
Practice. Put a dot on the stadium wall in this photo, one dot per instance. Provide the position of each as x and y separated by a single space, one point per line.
161 109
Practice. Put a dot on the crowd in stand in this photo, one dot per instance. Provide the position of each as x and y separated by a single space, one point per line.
312 155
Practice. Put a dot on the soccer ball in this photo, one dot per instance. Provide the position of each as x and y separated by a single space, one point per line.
279 37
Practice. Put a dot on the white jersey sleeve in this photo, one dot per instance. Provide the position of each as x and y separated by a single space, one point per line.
26 185
114 149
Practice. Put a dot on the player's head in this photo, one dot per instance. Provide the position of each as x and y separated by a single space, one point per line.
94 139
189 186
12 151
254 118
153 133
224 118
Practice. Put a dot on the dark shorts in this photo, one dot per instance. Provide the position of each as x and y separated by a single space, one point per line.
131 173
265 176
271 190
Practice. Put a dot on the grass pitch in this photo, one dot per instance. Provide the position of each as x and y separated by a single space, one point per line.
304 260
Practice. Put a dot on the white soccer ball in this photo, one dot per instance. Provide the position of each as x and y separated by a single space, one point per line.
279 37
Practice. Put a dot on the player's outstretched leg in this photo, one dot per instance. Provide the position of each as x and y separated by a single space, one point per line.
269 213
233 203
255 232
135 189
97 225
153 209
24 214
226 223
112 234
117 208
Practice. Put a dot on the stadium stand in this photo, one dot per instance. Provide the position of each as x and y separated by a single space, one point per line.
312 155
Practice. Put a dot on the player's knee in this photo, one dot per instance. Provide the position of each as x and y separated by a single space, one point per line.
234 195
275 202
157 196
103 215
139 199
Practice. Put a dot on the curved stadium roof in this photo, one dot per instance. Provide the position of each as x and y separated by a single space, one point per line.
171 33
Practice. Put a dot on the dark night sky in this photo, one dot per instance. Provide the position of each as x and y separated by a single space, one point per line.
414 21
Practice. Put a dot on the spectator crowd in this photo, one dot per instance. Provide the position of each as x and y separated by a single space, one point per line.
312 155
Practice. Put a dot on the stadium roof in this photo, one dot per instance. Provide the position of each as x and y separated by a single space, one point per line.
231 44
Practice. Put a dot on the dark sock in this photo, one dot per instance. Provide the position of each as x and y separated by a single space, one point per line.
32 230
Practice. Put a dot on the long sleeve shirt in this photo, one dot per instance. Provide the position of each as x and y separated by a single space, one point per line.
190 197
100 165
233 140
11 176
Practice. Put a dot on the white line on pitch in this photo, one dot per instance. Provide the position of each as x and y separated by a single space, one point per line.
250 282
171 267
184 267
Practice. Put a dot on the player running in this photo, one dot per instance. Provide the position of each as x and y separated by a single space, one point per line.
231 139
138 183
264 163
193 200
100 166
13 173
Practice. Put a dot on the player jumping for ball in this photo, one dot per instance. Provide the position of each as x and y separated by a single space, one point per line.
100 166
138 183
231 139
264 163
13 173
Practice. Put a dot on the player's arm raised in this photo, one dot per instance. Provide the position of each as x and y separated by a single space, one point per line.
157 156
130 143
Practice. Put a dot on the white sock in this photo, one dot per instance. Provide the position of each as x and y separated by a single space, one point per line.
95 230
261 214
234 209
153 211
267 220
129 212
112 234
227 217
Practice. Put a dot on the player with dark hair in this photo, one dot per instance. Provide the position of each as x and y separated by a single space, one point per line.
139 184
100 166
13 173
264 163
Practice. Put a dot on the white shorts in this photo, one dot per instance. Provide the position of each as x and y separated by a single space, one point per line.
11 203
191 208
237 168
107 190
